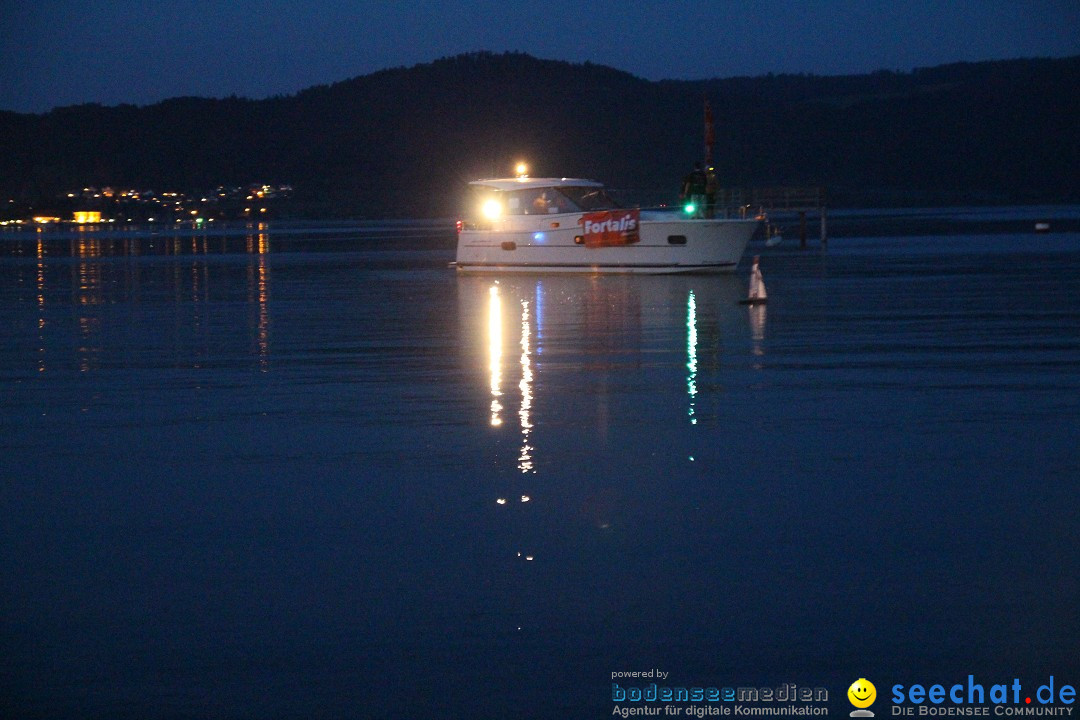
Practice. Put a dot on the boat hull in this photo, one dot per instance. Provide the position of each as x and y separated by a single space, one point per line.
668 244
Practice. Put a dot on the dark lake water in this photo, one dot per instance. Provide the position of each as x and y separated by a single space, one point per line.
310 472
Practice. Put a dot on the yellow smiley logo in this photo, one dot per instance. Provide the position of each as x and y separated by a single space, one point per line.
862 693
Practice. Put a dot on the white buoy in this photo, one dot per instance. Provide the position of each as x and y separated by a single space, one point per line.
757 293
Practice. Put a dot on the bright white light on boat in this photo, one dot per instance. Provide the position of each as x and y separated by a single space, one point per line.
501 501
525 498
491 209
521 170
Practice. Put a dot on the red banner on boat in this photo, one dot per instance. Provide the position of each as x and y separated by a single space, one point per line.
611 227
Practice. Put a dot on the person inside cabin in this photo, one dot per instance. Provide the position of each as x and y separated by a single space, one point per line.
548 201
541 203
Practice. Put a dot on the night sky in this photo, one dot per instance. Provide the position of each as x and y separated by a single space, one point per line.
63 52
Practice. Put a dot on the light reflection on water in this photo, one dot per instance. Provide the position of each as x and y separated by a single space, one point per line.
603 324
525 462
262 298
691 352
343 475
582 295
495 345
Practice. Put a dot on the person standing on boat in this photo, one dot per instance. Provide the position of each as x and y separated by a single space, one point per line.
711 186
693 191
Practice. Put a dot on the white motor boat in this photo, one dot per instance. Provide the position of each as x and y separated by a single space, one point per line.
526 224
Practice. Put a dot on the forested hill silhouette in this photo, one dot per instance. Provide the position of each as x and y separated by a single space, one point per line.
403 142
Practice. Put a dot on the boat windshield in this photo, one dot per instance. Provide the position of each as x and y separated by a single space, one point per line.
540 201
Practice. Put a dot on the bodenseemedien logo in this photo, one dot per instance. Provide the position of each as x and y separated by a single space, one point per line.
689 700
862 694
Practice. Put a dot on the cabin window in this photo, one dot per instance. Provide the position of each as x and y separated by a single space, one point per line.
485 205
539 201
676 239
590 198
509 245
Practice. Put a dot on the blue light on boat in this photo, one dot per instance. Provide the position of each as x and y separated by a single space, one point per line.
538 237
